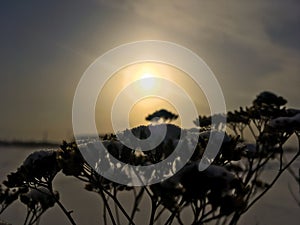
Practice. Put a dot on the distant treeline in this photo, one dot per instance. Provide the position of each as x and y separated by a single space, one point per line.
29 143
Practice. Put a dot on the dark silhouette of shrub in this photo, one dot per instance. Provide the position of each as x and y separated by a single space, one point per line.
222 193
163 114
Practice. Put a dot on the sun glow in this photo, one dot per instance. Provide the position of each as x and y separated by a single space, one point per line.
147 81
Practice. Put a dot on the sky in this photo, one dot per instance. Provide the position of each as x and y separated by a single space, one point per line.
46 46
149 78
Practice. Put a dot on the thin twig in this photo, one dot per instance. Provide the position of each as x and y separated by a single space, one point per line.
272 183
116 207
137 201
107 206
119 205
153 210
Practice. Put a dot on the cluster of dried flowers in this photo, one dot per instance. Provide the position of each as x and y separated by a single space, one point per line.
222 193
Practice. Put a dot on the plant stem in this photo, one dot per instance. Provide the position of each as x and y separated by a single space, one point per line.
119 205
153 210
107 206
136 203
272 183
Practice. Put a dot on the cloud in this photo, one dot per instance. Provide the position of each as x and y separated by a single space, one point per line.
251 45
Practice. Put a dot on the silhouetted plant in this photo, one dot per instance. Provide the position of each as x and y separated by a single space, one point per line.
163 114
221 194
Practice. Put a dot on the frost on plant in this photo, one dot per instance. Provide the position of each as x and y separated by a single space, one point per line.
221 194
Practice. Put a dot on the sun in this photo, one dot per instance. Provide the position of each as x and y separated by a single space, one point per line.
147 81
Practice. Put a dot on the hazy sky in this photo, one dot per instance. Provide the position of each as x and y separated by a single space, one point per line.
45 47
